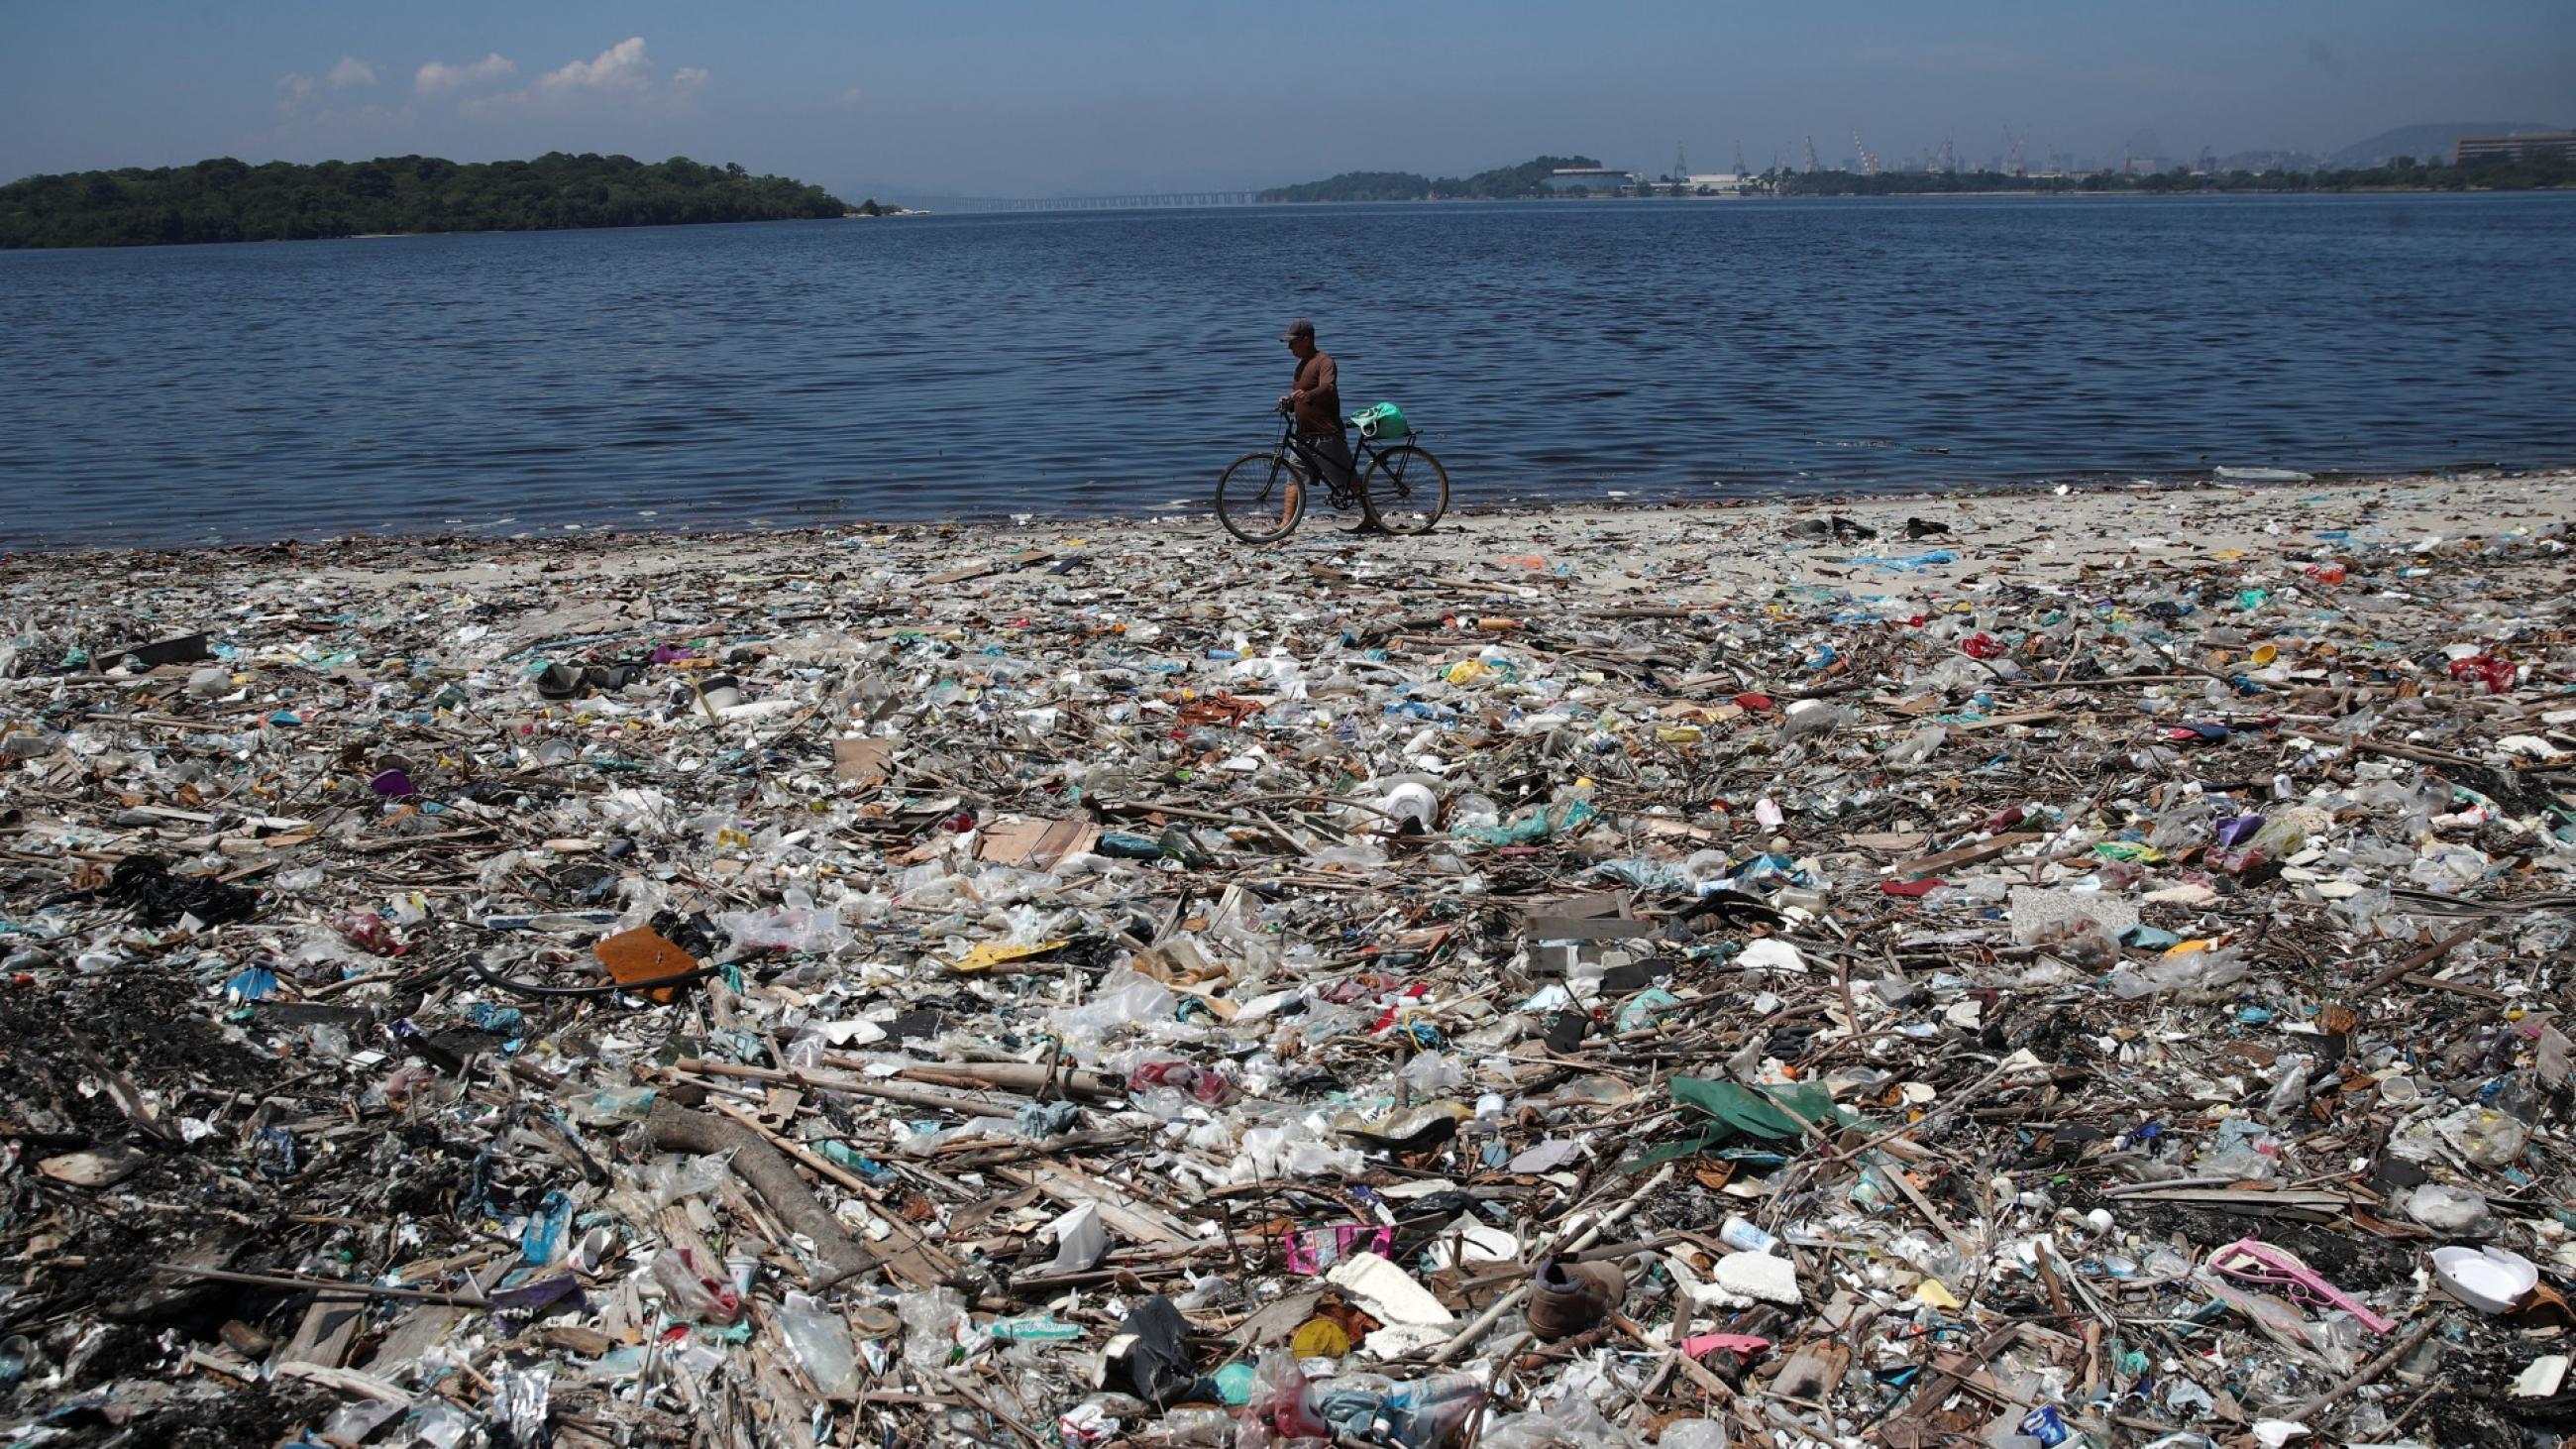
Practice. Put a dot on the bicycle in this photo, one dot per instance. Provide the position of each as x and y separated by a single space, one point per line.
1262 496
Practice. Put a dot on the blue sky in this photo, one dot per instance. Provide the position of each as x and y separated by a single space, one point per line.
1018 98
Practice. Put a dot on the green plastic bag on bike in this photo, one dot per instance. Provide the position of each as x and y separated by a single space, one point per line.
1385 423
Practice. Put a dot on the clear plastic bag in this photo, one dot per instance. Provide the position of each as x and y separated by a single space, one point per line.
695 1292
821 1341
2447 1209
2486 1137
930 1320
796 925
1572 1419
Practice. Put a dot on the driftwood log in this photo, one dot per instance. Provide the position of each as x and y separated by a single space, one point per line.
767 1172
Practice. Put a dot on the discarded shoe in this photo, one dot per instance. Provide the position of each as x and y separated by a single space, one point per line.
1924 528
564 681
1566 1300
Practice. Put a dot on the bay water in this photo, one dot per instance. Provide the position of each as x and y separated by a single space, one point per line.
936 367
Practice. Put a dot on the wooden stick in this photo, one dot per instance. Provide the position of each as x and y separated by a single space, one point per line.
2307 1413
2021 684
325 1287
1591 1235
2417 753
2421 959
827 1082
1029 1078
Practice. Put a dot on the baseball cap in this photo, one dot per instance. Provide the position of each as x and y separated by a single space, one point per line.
1299 328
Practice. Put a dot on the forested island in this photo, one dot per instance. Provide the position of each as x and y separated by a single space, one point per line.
224 200
1503 183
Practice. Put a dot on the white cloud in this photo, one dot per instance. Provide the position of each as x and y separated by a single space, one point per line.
438 77
622 72
621 67
850 97
296 90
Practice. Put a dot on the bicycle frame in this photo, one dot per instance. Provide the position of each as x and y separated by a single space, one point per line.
1261 495
1364 453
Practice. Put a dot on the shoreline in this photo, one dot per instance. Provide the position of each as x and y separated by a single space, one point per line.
2088 526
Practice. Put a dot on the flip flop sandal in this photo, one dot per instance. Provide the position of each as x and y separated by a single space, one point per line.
560 681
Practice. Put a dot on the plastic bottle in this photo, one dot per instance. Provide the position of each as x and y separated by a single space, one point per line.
1033 1328
1915 748
1739 1233
541 1240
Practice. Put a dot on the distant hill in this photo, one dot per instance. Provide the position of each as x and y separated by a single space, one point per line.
224 200
1356 186
1529 178
2427 143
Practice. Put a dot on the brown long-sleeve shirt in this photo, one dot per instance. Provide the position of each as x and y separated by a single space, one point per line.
1319 395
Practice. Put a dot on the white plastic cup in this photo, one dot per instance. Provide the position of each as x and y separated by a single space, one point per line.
1414 801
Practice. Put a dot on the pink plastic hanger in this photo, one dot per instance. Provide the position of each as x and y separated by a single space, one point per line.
2252 1261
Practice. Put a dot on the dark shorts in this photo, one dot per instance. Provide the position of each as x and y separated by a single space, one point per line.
1331 453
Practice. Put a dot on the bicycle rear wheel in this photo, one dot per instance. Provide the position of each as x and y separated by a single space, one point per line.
1406 490
1260 497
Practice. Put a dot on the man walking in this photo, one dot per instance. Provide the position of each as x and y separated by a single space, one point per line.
1315 397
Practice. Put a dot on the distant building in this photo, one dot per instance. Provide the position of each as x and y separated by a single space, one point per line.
1589 178
2521 146
1721 182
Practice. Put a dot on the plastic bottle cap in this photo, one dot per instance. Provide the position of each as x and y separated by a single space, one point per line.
1320 1338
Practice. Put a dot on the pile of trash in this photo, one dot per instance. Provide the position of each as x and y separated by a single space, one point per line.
1993 979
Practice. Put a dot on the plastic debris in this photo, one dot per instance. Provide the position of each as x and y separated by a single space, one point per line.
2085 975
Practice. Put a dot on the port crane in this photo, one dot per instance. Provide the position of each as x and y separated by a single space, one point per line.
1868 163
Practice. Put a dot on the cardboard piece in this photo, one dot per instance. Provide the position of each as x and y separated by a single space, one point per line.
1035 844
860 760
1565 933
643 954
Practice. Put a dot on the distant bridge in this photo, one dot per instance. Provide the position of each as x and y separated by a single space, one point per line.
1127 203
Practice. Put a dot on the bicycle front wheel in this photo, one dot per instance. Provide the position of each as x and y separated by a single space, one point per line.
1406 490
1260 497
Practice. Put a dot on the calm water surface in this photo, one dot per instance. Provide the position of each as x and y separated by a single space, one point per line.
1112 362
